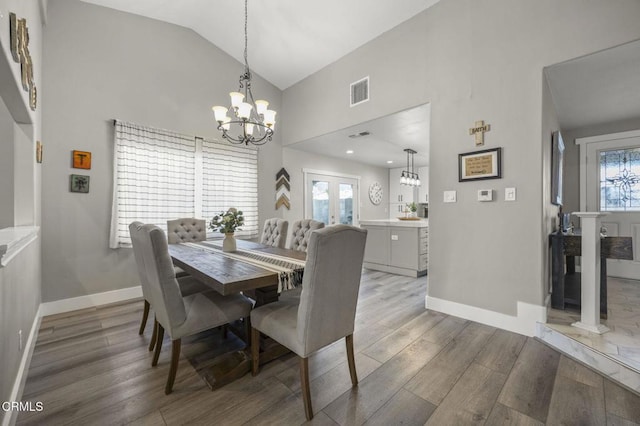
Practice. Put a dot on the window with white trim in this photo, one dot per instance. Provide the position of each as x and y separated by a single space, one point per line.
161 175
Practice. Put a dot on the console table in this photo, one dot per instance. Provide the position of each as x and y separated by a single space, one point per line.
566 283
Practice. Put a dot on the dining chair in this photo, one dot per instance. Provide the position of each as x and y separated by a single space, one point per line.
301 231
186 230
179 315
178 230
325 310
274 232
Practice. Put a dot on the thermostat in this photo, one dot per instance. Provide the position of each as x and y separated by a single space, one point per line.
485 195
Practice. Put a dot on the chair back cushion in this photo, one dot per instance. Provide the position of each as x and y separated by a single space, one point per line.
274 232
163 290
186 230
301 233
330 285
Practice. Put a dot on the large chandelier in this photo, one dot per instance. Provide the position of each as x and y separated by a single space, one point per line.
248 121
408 176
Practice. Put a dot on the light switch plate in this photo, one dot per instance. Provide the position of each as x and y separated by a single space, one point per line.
450 196
509 194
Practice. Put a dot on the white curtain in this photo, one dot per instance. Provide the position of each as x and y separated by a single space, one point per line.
161 175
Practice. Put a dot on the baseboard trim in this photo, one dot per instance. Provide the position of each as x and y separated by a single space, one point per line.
10 417
524 322
89 301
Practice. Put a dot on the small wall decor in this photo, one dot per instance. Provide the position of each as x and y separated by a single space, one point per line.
557 159
283 188
79 183
19 46
38 152
478 130
486 164
81 160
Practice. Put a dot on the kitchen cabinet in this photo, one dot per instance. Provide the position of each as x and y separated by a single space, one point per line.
422 195
398 193
399 247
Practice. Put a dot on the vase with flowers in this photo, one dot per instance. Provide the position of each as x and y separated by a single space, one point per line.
410 210
227 223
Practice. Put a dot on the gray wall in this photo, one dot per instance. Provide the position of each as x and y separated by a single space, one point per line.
294 161
19 191
472 60
103 64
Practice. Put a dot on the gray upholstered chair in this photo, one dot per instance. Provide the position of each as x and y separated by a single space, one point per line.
186 230
179 316
274 232
301 232
178 231
325 309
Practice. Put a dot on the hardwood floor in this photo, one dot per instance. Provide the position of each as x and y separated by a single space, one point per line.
415 367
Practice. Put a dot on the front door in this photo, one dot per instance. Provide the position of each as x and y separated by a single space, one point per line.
611 178
331 198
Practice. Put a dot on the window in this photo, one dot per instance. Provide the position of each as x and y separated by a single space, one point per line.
161 175
620 180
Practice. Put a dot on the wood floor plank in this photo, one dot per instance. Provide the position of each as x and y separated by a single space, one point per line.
575 371
530 385
152 419
613 420
576 403
385 348
620 402
405 408
443 332
502 351
437 378
471 399
357 405
505 416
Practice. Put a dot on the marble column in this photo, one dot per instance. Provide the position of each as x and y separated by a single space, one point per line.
590 267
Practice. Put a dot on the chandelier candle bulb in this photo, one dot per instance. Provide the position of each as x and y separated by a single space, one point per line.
249 128
226 123
261 106
220 112
236 99
244 110
269 118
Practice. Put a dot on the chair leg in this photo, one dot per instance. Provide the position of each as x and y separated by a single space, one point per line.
156 354
351 359
145 315
247 330
255 350
175 356
225 331
154 336
304 383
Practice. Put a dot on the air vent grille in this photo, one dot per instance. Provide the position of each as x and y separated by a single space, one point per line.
360 91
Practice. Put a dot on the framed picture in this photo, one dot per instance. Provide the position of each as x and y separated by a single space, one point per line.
81 160
485 164
38 152
79 183
557 160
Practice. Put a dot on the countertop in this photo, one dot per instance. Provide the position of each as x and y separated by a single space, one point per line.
422 223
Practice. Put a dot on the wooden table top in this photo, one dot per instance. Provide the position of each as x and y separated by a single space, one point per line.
226 275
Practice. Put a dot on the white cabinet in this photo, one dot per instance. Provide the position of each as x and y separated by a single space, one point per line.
399 193
397 249
422 195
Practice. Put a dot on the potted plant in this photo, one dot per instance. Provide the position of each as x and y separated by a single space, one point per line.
412 207
227 223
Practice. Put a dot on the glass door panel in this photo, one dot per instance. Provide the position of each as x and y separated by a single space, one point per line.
346 203
320 201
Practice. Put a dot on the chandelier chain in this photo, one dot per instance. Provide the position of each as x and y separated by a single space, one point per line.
246 37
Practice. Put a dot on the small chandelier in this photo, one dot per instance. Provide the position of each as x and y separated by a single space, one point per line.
408 176
248 121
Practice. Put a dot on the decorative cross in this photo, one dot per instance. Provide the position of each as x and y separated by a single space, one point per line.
478 130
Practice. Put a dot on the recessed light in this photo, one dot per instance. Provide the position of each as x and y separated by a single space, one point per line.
389 161
360 134
350 151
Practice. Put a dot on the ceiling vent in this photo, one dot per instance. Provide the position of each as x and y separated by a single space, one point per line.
359 135
360 91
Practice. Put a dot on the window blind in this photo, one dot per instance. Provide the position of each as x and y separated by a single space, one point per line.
161 175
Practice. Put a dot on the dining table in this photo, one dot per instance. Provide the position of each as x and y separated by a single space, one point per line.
259 271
